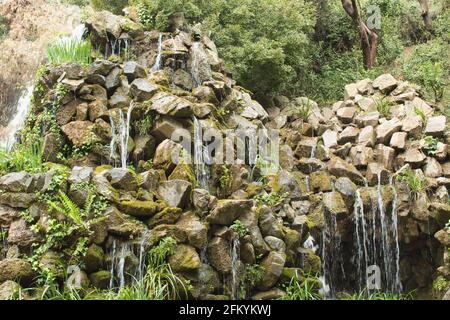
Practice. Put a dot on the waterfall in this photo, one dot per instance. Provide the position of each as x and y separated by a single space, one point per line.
142 257
201 156
377 242
8 133
200 68
158 62
332 259
313 151
120 250
122 130
235 255
113 258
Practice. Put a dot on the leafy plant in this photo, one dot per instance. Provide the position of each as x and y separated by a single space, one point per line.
377 295
251 275
145 124
70 50
383 107
24 157
272 199
431 145
226 178
304 110
239 228
306 290
421 114
416 184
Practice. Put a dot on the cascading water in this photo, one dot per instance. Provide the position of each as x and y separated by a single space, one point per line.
201 156
8 134
377 242
331 256
200 68
158 62
122 131
235 255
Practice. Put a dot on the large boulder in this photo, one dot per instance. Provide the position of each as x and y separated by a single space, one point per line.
273 266
185 258
79 132
170 105
21 235
341 168
385 83
15 269
9 290
227 211
16 182
219 255
142 89
176 193
387 129
195 229
436 126
334 204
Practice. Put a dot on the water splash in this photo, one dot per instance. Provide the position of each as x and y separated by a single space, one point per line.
158 62
8 133
201 156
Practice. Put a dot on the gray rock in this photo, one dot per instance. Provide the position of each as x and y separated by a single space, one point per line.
142 90
80 175
273 266
132 70
177 193
227 211
16 182
123 179
385 83
435 126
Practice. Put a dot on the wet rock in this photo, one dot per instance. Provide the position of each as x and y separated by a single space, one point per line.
185 258
7 215
341 168
119 100
205 94
176 193
334 203
219 255
374 170
142 90
273 266
18 200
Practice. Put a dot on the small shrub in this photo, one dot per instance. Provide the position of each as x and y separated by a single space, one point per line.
306 290
430 145
383 107
70 50
239 228
226 178
24 157
415 183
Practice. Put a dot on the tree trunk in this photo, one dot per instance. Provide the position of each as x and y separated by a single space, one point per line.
425 14
369 39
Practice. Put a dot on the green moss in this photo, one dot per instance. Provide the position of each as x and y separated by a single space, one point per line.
141 208
102 168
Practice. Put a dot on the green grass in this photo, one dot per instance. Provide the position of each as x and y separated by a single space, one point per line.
378 295
22 158
383 107
306 290
76 51
416 184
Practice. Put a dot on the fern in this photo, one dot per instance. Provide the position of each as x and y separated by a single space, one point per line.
68 208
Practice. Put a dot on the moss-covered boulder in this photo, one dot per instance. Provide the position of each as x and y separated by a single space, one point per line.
273 266
16 270
169 215
94 258
139 208
185 258
100 279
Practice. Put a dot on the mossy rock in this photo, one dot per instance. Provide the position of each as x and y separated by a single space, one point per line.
167 216
185 258
183 172
289 274
101 169
137 208
100 279
321 181
94 258
311 262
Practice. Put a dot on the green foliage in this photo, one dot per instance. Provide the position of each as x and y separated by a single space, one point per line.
303 290
423 117
430 145
251 275
4 27
304 111
23 157
145 124
226 178
429 66
272 199
239 228
69 208
383 107
440 284
377 295
416 184
70 50
115 6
